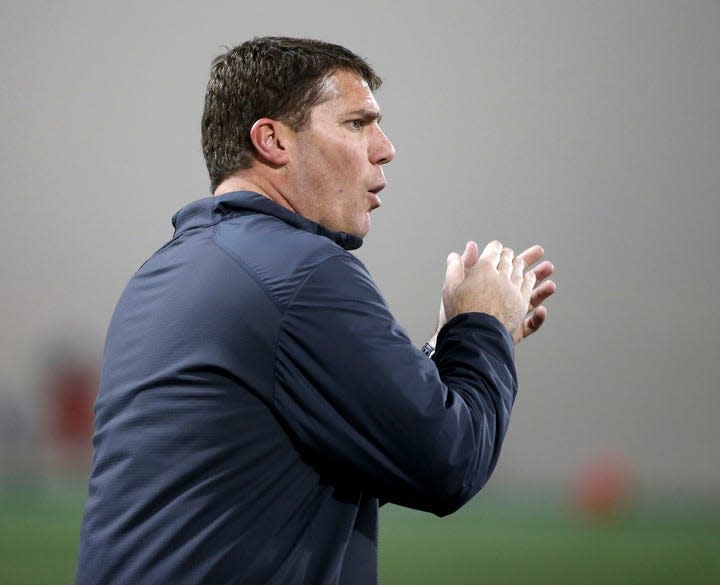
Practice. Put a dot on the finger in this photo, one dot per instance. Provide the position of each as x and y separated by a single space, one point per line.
470 255
518 266
506 258
527 286
491 253
543 270
454 273
541 293
534 321
532 254
530 325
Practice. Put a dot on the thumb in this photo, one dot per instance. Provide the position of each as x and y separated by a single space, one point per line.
455 271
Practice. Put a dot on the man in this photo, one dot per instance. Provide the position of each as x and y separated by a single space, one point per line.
258 400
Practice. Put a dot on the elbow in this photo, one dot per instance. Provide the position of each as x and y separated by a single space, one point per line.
439 489
455 464
447 505
463 474
448 498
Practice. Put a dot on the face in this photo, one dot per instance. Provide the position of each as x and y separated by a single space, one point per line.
335 163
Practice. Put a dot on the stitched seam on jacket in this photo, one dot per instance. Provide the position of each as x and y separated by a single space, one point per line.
285 312
248 270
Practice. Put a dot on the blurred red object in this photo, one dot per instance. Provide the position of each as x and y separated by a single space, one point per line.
602 487
74 388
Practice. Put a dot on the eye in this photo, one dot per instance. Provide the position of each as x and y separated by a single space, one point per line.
356 124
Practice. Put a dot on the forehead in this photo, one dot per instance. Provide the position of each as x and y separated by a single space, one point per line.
346 91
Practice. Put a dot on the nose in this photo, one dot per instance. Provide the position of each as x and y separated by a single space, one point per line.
381 151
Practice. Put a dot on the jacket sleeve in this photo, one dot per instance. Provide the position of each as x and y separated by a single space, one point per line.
365 406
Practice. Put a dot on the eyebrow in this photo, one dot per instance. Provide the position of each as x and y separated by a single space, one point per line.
367 115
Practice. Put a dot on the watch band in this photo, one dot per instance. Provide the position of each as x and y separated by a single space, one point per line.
428 349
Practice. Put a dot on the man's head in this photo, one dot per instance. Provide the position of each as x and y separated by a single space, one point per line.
272 77
332 168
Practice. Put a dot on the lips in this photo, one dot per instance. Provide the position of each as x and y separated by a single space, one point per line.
378 187
375 200
374 190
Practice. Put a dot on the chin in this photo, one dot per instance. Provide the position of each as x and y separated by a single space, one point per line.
357 233
358 225
362 229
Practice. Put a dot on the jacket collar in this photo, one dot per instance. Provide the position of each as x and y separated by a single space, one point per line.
212 210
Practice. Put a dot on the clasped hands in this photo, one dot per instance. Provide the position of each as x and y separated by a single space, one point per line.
498 283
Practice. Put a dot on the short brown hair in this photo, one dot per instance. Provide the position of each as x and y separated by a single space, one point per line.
268 77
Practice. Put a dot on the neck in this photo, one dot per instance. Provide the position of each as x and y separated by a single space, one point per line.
245 181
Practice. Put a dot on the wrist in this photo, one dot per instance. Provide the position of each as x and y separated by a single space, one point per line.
429 348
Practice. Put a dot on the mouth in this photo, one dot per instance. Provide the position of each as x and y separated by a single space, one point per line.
374 191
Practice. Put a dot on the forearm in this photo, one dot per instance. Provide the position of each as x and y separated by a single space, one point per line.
475 361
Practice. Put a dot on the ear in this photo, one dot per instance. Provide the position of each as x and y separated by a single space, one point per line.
269 139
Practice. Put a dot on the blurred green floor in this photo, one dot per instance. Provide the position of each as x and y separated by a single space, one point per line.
494 540
503 544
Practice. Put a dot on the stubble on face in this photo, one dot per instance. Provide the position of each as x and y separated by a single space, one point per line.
335 171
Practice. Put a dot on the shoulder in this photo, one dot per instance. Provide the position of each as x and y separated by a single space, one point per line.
340 279
279 256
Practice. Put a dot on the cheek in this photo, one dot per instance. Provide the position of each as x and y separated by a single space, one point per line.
349 154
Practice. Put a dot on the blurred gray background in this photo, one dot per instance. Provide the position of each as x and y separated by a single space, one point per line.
590 127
